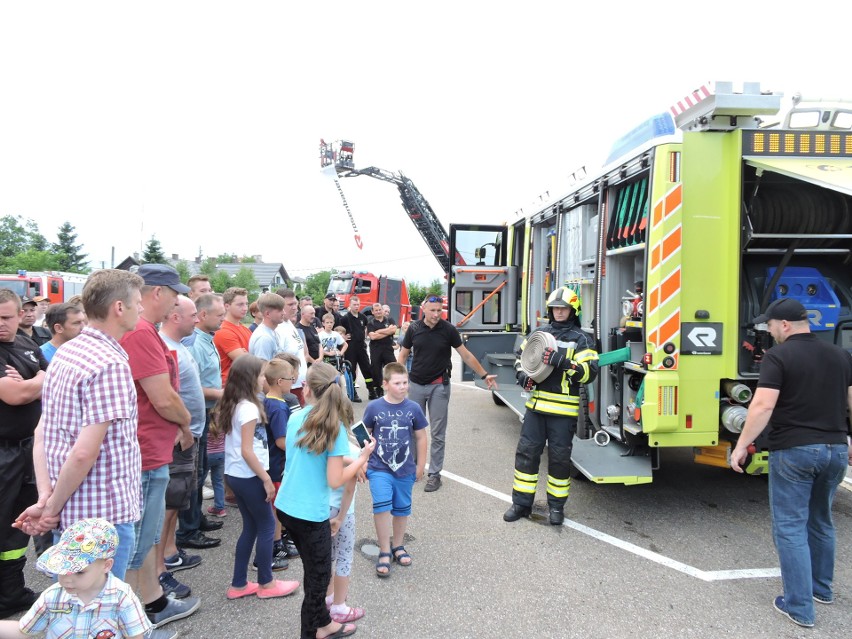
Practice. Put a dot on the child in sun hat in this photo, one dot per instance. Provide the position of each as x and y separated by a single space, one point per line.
87 600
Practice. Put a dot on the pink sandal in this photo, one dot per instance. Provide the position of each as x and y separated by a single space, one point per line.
280 589
249 589
354 614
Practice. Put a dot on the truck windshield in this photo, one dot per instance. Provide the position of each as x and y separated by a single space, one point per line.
19 286
337 285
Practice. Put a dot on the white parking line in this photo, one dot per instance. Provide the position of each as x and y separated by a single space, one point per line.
692 571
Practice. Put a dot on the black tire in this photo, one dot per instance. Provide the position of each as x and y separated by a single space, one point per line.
497 400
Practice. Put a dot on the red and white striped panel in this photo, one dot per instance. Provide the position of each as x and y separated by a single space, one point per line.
696 97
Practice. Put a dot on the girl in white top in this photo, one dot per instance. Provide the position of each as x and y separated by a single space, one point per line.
239 416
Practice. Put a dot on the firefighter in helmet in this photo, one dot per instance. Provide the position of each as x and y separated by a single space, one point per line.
552 408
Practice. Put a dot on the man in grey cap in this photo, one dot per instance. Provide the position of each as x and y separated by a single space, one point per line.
803 393
163 429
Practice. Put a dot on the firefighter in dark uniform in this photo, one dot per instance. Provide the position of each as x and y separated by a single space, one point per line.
22 367
551 415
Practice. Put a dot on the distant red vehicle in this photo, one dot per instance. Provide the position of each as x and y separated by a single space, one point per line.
54 285
371 289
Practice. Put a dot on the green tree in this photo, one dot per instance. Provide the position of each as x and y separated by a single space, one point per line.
245 279
13 236
418 292
316 284
30 260
220 281
37 241
183 271
153 253
68 253
226 258
208 267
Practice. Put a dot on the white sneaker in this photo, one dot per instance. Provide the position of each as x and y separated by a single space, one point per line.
207 493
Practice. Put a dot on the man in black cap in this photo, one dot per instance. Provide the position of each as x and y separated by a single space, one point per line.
328 307
39 334
803 393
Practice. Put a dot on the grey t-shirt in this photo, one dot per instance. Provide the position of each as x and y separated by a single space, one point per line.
190 386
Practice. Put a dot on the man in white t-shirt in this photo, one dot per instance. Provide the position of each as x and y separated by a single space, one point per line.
291 339
265 342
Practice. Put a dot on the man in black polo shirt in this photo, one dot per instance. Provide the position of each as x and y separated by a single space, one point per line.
432 340
22 367
803 393
355 323
380 330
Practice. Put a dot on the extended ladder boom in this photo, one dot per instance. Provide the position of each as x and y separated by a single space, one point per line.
416 206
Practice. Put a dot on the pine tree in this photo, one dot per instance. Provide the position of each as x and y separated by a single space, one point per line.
153 252
68 253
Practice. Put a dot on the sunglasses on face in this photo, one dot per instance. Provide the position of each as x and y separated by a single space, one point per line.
434 298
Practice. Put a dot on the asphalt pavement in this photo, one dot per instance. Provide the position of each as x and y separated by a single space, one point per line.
689 555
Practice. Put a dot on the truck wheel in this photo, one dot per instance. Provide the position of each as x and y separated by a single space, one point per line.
496 399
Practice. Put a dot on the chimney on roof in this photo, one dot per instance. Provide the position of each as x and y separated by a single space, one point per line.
175 257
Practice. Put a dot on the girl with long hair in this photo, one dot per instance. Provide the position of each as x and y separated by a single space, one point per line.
240 417
317 441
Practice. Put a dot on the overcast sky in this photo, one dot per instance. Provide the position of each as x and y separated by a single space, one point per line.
199 122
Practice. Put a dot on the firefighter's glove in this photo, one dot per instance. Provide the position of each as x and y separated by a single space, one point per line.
525 381
552 357
574 369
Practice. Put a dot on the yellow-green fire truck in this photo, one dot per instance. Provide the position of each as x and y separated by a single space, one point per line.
702 216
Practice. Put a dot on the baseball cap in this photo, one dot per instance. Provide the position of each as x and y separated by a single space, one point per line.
82 543
26 299
41 298
330 296
162 275
786 308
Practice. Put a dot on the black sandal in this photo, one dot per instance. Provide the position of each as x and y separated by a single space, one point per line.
383 564
399 557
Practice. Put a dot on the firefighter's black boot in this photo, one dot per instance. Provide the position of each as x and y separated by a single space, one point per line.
557 516
516 512
14 595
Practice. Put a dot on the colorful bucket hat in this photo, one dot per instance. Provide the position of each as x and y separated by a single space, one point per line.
82 543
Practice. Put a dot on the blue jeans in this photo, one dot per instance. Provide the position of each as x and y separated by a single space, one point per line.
124 551
216 465
258 530
802 483
150 526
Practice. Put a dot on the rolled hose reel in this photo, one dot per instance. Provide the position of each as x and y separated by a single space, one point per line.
531 362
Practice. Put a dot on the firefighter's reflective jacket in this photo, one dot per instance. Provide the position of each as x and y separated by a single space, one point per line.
559 393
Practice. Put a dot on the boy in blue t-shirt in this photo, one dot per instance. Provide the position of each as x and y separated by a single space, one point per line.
279 404
398 426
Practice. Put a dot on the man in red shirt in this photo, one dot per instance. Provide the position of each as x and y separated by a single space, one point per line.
163 425
232 340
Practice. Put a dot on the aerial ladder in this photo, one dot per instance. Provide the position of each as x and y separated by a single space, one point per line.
338 156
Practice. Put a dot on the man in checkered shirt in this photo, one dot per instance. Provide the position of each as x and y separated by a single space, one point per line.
90 403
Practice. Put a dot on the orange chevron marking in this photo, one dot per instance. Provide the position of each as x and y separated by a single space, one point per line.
670 286
672 243
674 200
669 328
658 213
